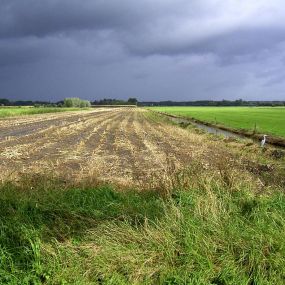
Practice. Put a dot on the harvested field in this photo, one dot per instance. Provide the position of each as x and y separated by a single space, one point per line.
125 146
121 145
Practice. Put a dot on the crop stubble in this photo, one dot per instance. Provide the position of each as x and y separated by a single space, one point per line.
118 145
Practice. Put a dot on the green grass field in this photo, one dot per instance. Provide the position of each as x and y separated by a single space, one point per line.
268 120
21 111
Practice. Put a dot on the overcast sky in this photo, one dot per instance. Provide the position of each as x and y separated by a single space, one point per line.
149 49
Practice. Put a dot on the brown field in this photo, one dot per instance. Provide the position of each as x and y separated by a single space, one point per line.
125 146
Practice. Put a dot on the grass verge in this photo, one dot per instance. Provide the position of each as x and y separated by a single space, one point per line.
208 232
21 111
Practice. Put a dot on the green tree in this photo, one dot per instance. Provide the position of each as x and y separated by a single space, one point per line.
132 101
76 102
4 102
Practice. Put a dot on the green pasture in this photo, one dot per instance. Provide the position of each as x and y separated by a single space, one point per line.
268 120
20 111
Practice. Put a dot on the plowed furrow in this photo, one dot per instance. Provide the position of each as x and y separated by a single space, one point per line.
122 145
15 130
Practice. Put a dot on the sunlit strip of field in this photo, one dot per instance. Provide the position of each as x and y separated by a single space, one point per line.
19 111
269 120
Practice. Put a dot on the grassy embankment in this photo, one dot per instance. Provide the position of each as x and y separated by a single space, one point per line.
267 120
20 111
207 228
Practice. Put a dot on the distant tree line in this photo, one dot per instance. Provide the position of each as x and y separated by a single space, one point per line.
67 102
76 102
239 102
6 102
130 101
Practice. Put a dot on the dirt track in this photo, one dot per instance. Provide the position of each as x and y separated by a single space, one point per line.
120 145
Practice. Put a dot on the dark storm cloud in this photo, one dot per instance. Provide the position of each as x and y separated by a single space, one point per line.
41 18
162 27
18 52
160 49
240 42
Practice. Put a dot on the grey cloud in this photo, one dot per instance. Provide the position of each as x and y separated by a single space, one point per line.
145 28
18 52
163 49
41 18
239 41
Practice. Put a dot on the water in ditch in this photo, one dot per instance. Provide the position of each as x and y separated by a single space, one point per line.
209 129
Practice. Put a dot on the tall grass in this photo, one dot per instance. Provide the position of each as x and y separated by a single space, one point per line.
201 232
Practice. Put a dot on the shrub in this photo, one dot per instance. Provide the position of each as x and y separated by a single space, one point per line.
76 102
